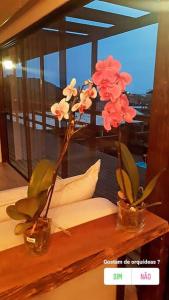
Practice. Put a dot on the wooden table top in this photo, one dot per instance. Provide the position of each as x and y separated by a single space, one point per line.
23 275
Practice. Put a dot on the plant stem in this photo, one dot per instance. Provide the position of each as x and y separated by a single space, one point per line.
69 132
120 162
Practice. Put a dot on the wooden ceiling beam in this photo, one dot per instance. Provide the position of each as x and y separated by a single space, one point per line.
71 26
76 27
135 24
65 35
99 16
72 40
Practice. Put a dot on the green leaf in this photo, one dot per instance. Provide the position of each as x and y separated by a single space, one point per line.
14 214
127 183
32 206
21 227
41 178
149 188
130 167
27 206
42 200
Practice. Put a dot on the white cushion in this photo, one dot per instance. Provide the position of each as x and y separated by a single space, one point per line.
77 188
68 190
63 216
81 212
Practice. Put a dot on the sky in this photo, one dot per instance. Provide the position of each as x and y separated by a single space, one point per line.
135 49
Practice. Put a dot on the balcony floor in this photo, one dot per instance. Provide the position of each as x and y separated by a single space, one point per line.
9 178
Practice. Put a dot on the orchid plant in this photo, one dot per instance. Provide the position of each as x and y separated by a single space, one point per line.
42 182
111 85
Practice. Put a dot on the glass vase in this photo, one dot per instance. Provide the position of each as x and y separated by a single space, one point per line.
37 238
130 218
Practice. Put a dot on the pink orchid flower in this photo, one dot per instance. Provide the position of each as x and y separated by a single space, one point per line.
122 106
121 103
108 64
84 104
106 71
109 92
123 79
70 90
61 109
104 77
129 114
117 112
111 119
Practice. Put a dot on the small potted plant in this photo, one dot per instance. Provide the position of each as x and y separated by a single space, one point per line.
36 229
132 196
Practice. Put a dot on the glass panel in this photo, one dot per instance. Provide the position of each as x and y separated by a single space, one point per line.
51 68
70 47
33 79
74 63
14 103
137 59
123 48
33 68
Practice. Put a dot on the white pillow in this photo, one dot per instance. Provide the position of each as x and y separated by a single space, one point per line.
76 188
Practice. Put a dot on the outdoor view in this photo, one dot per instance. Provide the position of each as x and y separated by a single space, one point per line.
69 48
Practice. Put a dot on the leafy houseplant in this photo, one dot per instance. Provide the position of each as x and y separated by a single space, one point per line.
34 209
28 210
132 196
128 180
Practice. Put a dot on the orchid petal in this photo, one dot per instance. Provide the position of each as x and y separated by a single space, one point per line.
66 116
126 77
87 103
75 107
54 107
74 92
73 82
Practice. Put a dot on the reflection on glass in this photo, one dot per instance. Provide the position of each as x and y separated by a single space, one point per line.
33 68
19 70
51 68
12 73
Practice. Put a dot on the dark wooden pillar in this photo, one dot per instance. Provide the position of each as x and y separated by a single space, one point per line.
26 110
158 153
3 127
156 250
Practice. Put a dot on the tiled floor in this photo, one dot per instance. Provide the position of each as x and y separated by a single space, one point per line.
9 178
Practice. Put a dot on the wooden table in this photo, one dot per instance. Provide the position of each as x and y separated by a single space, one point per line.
23 275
